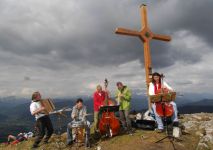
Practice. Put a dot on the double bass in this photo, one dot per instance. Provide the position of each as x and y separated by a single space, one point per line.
163 107
107 100
109 124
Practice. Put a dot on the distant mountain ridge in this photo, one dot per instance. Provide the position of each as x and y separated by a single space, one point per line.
204 102
205 105
18 115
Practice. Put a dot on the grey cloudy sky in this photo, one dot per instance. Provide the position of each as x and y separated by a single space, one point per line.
66 47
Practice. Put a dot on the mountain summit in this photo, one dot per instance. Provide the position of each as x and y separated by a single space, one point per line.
197 135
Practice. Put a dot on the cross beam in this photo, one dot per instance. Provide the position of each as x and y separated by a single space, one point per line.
146 35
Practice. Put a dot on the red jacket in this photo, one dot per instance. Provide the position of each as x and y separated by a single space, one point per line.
98 100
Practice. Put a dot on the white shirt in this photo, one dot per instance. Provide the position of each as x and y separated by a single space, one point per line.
79 113
152 87
34 106
28 135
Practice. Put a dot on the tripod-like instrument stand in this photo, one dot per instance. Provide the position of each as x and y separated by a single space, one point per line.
60 114
169 136
59 132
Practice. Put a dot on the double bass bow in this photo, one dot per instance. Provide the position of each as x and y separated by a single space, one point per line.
109 124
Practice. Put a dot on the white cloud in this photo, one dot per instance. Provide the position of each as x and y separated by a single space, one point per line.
27 91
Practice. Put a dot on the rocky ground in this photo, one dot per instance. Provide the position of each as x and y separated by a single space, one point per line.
200 125
197 135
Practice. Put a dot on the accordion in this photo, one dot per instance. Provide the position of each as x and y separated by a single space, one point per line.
48 105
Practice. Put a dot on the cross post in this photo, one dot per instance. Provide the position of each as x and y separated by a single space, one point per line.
145 35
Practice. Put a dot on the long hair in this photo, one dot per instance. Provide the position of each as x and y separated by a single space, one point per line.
156 74
34 95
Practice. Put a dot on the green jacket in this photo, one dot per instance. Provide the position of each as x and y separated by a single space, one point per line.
125 100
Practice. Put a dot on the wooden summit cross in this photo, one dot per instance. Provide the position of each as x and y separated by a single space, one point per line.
146 35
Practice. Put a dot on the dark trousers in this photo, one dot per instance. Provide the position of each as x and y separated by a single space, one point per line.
44 125
124 117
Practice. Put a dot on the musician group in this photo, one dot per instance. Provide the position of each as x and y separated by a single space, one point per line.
105 119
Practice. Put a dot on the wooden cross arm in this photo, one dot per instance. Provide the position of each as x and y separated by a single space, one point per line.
161 37
127 32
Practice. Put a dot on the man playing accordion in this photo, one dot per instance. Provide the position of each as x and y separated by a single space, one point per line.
43 122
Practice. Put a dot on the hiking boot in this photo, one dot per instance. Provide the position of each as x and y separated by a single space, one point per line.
130 131
96 132
176 124
123 130
88 145
159 130
97 135
34 147
69 143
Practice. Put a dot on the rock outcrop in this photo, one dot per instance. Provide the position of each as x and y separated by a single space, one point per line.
200 124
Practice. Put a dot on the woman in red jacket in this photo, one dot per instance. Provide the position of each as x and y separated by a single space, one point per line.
98 97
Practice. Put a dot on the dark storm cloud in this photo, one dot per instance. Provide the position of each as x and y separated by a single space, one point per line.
83 32
195 15
26 78
182 83
164 55
130 75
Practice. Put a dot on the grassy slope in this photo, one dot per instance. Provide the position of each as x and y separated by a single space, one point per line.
141 140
